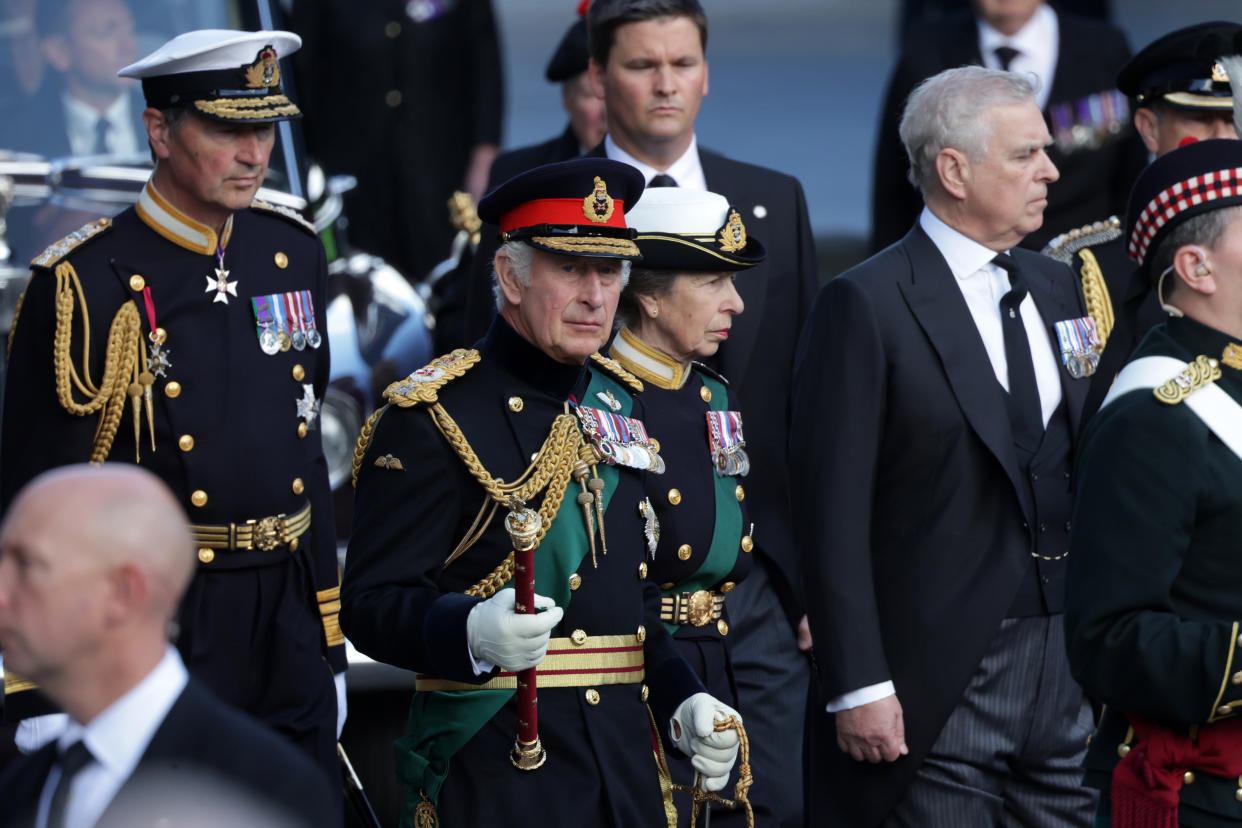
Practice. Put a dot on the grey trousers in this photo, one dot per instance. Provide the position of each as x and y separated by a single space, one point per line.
1011 751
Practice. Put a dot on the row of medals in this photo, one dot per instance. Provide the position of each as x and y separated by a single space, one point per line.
277 341
1082 363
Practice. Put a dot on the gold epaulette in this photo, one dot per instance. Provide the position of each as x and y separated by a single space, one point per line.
614 368
1063 247
1203 371
422 386
284 212
77 238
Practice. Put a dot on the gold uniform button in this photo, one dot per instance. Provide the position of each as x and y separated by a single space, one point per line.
1188 777
578 637
727 586
641 634
575 581
705 393
516 404
674 496
136 282
1237 678
1238 794
206 555
667 586
199 498
172 389
1240 641
684 552
592 696
186 442
642 570
747 543
298 487
642 694
1224 710
740 494
299 372
1122 750
282 261
722 627
302 430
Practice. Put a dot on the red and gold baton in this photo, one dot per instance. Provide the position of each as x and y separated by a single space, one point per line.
523 526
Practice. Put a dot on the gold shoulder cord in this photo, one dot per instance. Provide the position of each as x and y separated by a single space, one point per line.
613 367
745 779
1095 291
123 369
364 442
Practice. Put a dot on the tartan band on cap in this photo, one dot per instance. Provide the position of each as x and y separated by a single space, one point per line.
1182 196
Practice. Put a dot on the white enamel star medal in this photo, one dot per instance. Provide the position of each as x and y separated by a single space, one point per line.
308 406
221 285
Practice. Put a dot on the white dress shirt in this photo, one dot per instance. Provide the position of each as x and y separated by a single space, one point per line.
1038 44
116 738
80 121
686 170
982 284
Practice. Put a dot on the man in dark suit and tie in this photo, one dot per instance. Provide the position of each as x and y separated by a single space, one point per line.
1075 60
937 411
93 562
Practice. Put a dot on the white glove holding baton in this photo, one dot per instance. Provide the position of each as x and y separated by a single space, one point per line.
510 640
693 730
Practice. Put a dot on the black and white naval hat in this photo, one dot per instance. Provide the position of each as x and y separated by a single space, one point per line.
222 74
683 229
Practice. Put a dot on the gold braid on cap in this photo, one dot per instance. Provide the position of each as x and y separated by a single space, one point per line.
123 364
1095 292
551 468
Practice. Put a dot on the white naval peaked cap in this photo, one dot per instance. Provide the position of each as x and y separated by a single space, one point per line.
678 210
224 74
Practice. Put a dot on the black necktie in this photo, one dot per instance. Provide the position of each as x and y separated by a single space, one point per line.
1006 54
102 127
662 180
75 757
1025 413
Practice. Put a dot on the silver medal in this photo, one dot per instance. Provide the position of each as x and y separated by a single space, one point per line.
269 342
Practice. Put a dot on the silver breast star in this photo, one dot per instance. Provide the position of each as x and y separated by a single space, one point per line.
308 406
221 285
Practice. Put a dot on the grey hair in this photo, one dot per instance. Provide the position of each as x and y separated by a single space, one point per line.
1205 230
520 256
947 109
643 282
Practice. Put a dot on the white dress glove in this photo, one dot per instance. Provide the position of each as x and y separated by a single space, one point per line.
498 635
342 706
693 730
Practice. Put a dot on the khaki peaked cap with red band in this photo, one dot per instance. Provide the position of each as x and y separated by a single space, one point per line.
576 208
221 74
1191 180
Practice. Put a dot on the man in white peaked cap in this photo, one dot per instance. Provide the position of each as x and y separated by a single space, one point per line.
206 366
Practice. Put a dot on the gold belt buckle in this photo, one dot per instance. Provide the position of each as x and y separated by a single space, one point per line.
267 533
699 612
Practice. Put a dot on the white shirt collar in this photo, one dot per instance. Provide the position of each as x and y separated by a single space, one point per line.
686 170
119 735
964 255
1038 45
80 121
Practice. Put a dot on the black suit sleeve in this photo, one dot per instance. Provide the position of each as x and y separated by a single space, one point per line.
839 405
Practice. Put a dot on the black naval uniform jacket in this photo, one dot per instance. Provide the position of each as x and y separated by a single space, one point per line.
402 606
1154 597
228 441
203 752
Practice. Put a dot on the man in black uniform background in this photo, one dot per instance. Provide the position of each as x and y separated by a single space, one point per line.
186 335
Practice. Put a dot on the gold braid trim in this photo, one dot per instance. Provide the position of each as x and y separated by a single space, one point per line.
1203 371
1095 291
364 442
550 469
122 363
613 367
744 778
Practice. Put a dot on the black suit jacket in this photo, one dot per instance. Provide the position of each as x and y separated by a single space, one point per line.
1094 183
758 357
201 742
916 519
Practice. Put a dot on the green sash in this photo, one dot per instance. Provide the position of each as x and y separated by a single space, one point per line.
442 722
727 531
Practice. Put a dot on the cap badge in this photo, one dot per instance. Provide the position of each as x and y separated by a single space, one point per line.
598 206
1219 75
265 71
733 234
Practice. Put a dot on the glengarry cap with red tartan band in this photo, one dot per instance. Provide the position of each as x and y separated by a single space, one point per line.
1190 180
576 208
222 74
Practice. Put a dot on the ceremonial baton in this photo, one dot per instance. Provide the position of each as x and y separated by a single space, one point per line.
523 526
355 794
